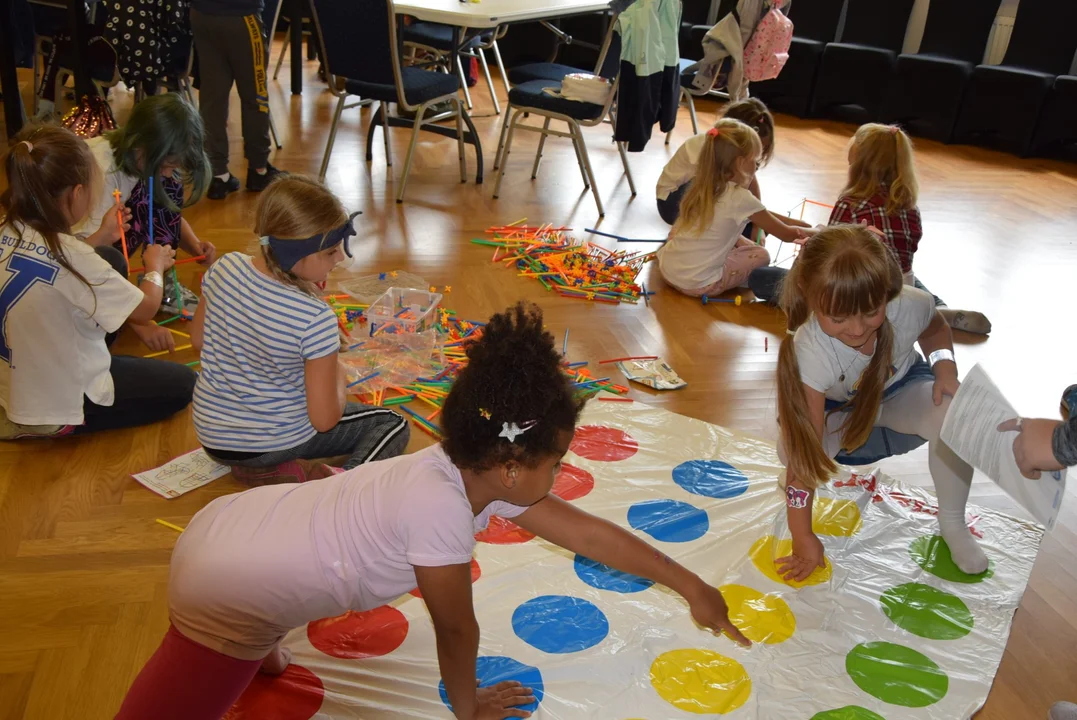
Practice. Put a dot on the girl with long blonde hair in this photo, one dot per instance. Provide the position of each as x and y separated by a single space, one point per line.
272 392
847 366
706 253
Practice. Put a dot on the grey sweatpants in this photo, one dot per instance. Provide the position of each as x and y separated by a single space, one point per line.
232 50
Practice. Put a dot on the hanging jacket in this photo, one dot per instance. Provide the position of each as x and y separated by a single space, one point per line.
726 40
649 89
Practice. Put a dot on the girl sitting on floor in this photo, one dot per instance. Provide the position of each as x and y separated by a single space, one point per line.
272 393
848 366
881 192
62 304
706 253
251 567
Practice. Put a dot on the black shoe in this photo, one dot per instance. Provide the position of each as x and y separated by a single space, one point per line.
220 189
257 182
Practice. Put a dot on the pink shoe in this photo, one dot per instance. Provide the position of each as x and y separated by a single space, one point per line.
292 471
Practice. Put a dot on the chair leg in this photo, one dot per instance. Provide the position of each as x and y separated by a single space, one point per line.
578 133
419 115
460 139
272 129
283 52
501 66
489 80
463 81
541 144
511 125
628 170
499 156
692 113
384 109
579 163
332 137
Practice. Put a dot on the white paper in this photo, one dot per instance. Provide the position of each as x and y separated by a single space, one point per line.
183 474
971 431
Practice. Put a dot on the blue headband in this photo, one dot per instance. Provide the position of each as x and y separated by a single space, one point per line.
289 252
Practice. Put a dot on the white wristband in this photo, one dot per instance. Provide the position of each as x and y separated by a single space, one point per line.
940 355
155 278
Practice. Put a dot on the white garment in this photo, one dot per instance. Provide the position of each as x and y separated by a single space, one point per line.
690 263
53 346
823 359
114 179
728 39
681 167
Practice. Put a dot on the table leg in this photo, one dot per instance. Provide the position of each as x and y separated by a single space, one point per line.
295 27
471 137
14 115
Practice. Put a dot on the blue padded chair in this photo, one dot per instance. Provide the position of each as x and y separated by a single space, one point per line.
363 60
437 39
531 98
1057 129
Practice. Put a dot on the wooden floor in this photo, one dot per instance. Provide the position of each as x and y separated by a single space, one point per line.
84 567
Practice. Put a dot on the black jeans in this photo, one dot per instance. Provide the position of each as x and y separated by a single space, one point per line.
147 390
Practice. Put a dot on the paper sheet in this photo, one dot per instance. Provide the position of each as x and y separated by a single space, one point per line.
183 474
970 429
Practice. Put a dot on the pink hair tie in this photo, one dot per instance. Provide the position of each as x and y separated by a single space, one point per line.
29 145
714 132
894 129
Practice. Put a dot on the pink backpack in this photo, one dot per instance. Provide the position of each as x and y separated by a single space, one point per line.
768 49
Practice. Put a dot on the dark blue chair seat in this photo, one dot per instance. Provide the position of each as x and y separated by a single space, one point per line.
438 36
926 94
1057 130
419 86
554 72
1019 90
853 74
532 94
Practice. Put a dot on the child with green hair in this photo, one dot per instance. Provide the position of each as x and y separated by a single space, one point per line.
160 147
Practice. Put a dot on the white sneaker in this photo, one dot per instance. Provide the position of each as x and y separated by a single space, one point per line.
1063 711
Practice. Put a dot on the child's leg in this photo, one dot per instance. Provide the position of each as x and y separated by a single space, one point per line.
967 320
912 410
766 283
670 208
739 265
214 42
249 59
186 681
146 391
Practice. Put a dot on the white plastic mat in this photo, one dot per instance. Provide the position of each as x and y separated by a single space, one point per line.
882 637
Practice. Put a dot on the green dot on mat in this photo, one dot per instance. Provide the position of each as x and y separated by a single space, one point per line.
849 712
896 674
933 554
926 611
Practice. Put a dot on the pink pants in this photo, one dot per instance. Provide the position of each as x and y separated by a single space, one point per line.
186 681
738 266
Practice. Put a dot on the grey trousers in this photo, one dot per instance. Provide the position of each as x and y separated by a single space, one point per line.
232 50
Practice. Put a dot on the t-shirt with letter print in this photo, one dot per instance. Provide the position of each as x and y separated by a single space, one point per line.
52 346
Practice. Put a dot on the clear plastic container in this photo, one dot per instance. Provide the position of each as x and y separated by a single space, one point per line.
368 288
397 358
403 310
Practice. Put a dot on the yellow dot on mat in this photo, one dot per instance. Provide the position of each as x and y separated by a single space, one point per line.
764 554
700 681
839 518
762 618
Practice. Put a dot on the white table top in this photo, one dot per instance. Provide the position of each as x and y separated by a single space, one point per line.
491 13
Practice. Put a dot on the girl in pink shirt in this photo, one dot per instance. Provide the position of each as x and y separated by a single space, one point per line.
252 566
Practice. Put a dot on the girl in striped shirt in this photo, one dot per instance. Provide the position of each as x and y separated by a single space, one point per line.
272 392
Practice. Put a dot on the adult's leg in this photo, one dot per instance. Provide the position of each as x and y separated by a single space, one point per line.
670 208
146 391
248 58
184 680
213 37
912 410
766 283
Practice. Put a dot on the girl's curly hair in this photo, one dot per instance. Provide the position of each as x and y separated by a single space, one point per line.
513 375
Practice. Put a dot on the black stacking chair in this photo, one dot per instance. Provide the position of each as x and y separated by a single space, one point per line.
925 96
857 71
815 23
1057 129
1002 103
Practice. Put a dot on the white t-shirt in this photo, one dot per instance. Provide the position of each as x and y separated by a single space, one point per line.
53 343
114 179
691 263
681 167
823 359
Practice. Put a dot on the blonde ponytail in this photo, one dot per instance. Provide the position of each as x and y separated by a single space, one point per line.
882 156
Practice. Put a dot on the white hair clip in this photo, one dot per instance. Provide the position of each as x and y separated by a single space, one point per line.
511 430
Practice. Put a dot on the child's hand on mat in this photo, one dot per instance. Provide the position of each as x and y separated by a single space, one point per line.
155 337
946 382
159 258
110 224
1033 448
808 554
709 609
500 701
209 250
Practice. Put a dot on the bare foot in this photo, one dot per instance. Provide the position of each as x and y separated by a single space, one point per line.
276 661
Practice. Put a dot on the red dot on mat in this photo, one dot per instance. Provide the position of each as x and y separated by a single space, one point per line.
572 483
598 442
503 532
355 635
476 573
295 694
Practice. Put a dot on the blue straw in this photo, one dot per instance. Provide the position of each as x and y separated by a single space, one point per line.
564 347
620 238
363 380
352 347
150 201
581 363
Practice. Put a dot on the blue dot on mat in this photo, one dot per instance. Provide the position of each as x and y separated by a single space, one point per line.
492 669
560 624
604 577
712 478
669 520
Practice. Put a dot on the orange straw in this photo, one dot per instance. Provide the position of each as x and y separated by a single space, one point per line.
123 235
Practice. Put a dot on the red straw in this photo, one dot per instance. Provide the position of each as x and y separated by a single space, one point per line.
178 262
641 357
606 399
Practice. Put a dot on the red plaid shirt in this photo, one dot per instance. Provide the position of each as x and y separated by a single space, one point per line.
902 230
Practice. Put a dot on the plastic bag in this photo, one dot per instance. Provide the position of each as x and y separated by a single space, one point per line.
655 374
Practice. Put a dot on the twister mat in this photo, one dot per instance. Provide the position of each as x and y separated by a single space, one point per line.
890 629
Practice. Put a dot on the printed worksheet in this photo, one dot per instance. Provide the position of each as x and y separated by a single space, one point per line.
183 474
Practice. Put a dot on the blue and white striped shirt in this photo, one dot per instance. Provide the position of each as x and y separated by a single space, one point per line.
251 394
